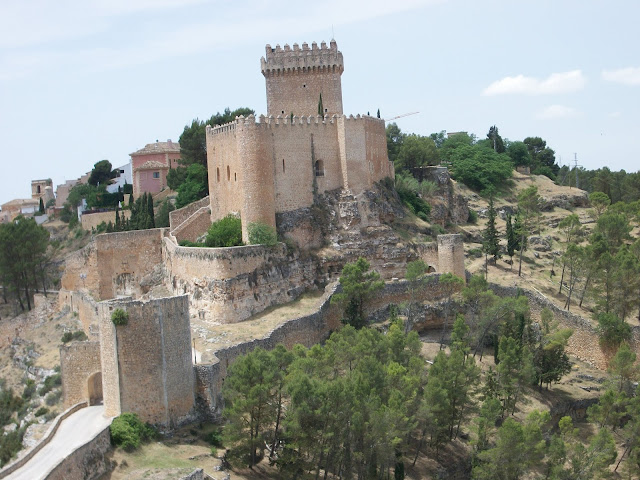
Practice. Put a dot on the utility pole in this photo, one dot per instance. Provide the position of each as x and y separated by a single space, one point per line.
575 160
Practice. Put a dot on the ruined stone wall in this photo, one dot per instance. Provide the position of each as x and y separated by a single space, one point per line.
229 285
85 307
177 217
81 271
584 343
295 78
88 462
147 362
451 254
125 258
90 221
307 330
429 254
78 362
194 227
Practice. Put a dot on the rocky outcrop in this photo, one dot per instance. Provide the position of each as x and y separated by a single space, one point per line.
567 201
447 207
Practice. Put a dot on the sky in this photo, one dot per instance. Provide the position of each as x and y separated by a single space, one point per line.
86 80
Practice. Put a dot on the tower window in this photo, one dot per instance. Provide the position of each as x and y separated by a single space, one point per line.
319 167
217 174
283 112
283 165
235 176
228 173
304 85
326 110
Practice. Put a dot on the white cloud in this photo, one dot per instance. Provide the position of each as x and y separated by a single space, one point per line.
626 76
555 83
556 111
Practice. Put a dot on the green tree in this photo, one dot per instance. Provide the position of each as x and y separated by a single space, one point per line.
395 139
416 151
491 241
550 359
23 259
450 284
496 140
513 243
226 232
416 279
41 207
166 207
541 156
262 234
358 286
320 106
195 186
101 174
528 209
480 168
599 201
572 229
519 154
612 329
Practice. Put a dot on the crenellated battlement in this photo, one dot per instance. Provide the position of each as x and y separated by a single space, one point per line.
271 121
278 61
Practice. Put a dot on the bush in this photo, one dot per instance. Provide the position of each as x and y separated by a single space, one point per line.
128 431
53 398
29 389
119 317
50 383
612 329
226 232
77 335
42 411
10 444
473 217
475 252
9 403
262 234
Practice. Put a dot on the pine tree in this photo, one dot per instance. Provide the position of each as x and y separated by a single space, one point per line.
491 242
512 239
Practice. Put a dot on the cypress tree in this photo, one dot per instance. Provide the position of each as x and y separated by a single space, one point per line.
491 244
512 239
41 208
117 224
378 113
320 107
151 222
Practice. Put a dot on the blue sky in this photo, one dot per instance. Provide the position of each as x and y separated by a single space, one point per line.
85 80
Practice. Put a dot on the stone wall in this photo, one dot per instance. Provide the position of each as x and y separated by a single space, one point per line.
146 364
307 330
81 271
584 343
91 220
194 227
125 258
229 285
78 362
87 462
177 217
81 303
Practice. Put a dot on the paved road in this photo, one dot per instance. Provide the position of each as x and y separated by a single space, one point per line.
74 431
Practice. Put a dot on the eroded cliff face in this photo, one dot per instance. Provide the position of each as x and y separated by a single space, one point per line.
447 206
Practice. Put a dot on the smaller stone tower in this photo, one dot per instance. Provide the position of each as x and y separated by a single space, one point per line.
451 254
297 77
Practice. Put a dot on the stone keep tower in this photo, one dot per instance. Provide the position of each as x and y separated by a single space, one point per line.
297 77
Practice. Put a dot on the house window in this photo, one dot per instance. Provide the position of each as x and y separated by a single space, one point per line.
156 174
319 168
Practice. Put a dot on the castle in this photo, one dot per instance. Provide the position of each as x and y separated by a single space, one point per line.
264 168
275 170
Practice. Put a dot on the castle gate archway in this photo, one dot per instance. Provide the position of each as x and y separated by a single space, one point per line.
94 384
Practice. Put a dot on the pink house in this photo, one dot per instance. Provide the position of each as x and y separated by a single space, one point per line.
151 164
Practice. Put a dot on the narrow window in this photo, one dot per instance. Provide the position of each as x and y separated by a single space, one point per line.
283 165
156 174
38 189
235 176
319 168
217 174
228 173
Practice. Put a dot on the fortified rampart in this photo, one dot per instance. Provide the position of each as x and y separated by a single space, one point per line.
228 285
146 364
80 368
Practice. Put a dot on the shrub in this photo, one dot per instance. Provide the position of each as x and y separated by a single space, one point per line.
128 431
77 335
9 403
475 252
188 243
262 234
612 329
226 232
473 217
53 398
29 389
42 411
49 383
119 317
10 444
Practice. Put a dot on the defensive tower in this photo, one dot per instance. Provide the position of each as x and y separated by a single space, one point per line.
296 78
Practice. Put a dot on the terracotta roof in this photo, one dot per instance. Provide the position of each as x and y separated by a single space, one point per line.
21 202
151 165
158 147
